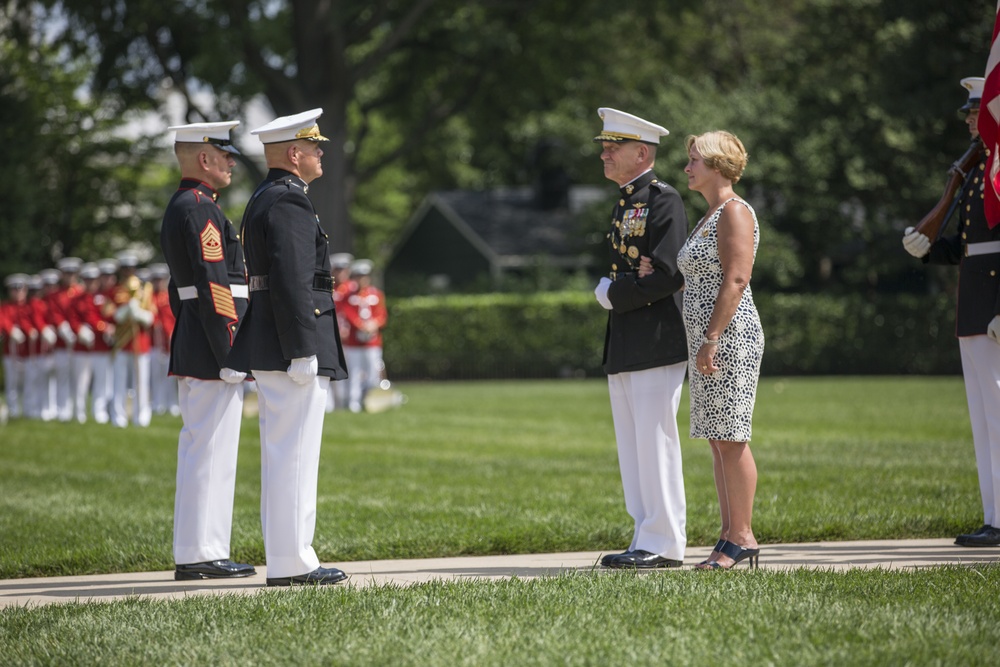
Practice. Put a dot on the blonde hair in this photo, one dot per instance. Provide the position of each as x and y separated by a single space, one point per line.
721 150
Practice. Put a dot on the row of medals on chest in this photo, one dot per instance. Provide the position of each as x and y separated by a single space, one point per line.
632 224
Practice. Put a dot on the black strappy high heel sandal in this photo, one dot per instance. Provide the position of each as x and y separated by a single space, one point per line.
718 547
737 553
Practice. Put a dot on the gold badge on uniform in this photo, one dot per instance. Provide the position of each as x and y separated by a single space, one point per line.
211 243
622 249
633 252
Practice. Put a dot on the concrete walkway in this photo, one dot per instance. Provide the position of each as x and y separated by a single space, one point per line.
886 554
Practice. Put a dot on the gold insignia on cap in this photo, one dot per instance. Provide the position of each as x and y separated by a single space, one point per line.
310 134
617 136
633 252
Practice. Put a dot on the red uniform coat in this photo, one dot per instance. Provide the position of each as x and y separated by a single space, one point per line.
364 308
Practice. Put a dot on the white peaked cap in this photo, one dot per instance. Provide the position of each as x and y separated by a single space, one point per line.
973 84
90 270
289 128
216 134
621 126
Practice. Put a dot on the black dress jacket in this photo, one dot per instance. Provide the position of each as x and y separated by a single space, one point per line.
291 312
645 329
978 274
203 251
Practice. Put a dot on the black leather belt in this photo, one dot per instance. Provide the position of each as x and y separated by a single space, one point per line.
260 283
615 275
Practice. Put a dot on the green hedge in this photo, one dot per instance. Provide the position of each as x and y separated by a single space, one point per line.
561 334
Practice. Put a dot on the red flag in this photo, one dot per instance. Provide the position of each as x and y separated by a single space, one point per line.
989 120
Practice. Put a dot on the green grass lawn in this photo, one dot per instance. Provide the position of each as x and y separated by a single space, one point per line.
502 467
517 467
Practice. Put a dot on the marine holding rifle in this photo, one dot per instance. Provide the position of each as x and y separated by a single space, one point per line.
975 247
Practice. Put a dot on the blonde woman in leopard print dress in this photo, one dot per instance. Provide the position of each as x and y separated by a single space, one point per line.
725 339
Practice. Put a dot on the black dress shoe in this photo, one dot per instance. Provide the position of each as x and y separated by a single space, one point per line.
987 536
642 560
961 539
213 569
321 576
607 558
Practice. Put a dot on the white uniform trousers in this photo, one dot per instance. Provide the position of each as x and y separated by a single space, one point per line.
63 378
206 469
644 405
981 369
135 366
364 366
102 388
291 433
36 385
83 373
336 395
162 386
14 378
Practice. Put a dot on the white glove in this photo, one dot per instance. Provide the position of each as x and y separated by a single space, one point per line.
916 243
230 376
66 333
123 313
601 292
17 335
49 335
993 329
304 369
85 335
143 317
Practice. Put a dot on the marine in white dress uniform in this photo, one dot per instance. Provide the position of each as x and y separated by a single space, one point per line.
645 348
208 296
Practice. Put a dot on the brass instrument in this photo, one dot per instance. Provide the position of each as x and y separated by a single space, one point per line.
127 331
933 223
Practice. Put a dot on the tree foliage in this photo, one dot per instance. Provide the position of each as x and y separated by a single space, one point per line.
846 106
67 183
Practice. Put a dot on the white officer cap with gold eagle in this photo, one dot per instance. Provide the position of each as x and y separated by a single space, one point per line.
973 84
291 128
621 126
216 134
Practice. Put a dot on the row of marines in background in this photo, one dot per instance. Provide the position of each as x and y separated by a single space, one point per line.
92 340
